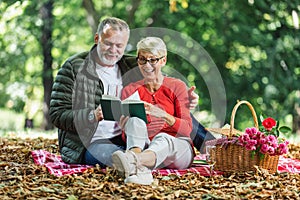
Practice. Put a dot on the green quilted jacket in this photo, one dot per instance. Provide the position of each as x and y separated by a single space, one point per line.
76 91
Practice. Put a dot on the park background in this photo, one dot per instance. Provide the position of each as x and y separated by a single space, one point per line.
254 44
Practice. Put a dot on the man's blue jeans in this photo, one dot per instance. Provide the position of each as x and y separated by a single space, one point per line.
200 135
100 151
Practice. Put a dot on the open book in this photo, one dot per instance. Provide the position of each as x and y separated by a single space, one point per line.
113 108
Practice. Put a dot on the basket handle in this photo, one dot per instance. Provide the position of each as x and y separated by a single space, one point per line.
234 112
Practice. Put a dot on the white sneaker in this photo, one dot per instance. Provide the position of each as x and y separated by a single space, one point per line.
143 177
128 166
125 163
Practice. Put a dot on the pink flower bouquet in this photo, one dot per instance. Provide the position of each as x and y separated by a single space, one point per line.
266 140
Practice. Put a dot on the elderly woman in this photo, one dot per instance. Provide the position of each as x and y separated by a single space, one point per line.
165 140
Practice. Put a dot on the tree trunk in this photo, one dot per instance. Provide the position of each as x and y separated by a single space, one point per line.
91 14
296 116
135 5
46 43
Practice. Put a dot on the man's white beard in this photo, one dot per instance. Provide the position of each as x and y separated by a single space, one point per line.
106 61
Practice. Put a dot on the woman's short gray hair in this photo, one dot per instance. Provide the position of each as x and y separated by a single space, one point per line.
153 45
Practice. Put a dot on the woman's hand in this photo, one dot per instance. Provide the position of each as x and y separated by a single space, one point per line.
123 121
193 97
154 110
158 112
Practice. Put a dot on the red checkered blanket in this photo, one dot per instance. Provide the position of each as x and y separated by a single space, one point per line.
57 167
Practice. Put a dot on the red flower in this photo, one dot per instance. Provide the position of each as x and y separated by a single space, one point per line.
269 123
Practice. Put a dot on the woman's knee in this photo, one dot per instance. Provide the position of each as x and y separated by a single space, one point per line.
136 127
135 121
163 136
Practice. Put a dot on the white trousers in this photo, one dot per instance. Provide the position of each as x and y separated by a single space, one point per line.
171 152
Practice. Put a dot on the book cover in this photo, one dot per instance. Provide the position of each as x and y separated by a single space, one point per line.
113 108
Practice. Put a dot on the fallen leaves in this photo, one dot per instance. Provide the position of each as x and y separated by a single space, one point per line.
20 178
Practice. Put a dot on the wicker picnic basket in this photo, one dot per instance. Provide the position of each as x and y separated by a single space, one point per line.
231 157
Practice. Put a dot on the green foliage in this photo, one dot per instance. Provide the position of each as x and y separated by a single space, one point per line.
285 129
254 44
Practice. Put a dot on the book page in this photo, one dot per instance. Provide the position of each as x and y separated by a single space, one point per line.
105 96
134 96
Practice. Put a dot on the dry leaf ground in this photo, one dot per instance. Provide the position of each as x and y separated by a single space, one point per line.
22 179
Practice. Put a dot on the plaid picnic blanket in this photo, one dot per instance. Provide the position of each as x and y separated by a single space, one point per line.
57 167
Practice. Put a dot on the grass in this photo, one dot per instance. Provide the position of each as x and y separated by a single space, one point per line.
10 120
12 126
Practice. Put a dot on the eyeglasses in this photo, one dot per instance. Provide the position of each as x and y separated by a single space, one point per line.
152 61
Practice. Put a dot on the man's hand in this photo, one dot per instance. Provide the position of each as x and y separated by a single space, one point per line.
98 113
193 97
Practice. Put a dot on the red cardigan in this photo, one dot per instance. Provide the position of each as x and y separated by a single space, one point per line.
172 97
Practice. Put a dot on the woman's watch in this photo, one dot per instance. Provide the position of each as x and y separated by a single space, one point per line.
91 117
